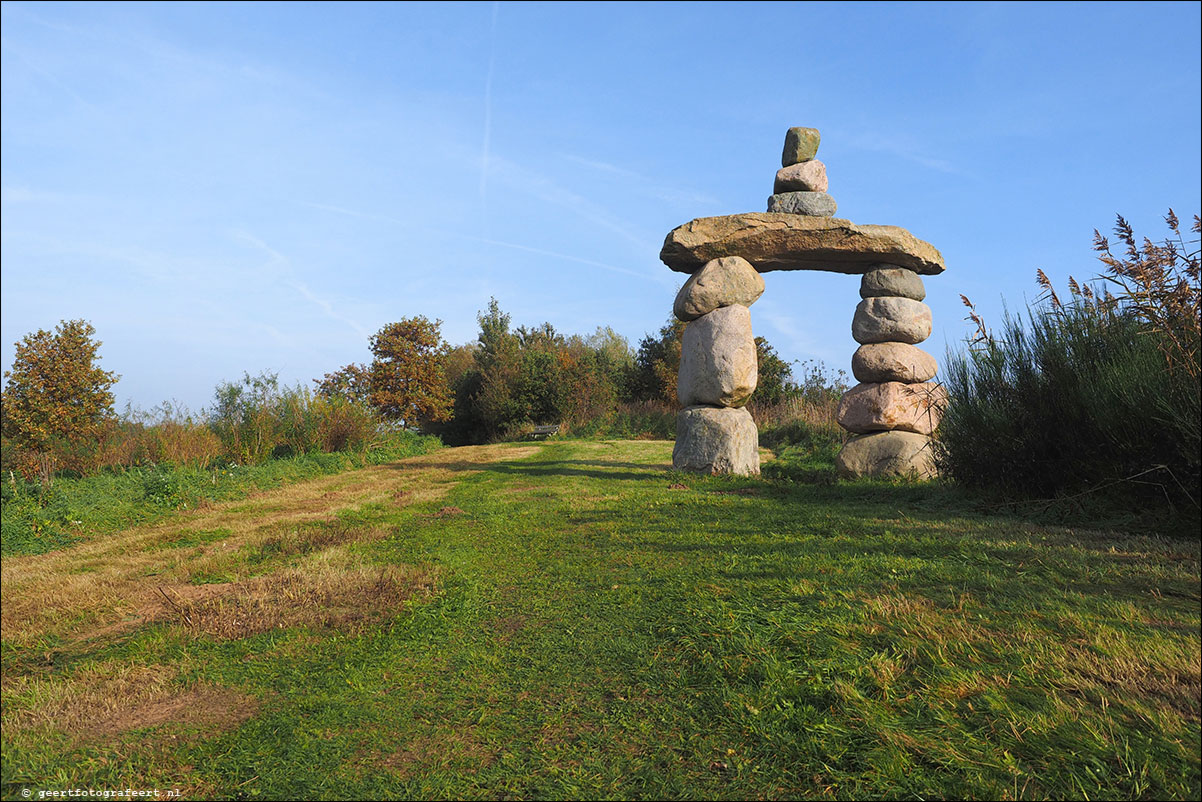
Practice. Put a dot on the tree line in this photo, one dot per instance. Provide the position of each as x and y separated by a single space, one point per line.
58 406
512 378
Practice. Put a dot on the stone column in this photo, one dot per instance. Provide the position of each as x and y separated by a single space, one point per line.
718 370
895 407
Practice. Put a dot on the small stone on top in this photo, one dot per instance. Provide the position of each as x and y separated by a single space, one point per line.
801 145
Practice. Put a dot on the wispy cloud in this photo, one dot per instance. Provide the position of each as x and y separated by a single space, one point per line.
169 58
279 263
798 340
898 146
143 262
604 167
642 185
568 257
545 189
657 277
15 195
44 74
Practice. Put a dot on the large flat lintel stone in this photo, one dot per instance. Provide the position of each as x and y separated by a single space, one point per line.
778 241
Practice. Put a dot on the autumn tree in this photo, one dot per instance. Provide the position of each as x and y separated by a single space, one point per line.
55 398
352 383
657 364
408 374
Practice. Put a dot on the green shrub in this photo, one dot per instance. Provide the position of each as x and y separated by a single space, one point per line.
1101 391
256 420
161 487
391 446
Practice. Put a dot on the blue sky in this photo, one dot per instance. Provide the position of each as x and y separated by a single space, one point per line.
223 188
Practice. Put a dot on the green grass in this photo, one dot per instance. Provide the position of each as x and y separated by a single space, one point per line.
36 520
602 627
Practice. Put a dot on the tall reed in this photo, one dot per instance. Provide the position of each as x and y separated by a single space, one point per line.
1099 390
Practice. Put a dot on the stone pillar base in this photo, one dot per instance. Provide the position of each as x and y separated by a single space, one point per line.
887 454
716 440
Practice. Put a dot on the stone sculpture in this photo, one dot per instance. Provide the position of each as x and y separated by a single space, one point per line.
896 406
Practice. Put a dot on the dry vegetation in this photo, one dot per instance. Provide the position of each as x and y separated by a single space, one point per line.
283 553
118 583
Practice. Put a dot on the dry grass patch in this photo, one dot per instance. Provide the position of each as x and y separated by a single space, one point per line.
1115 664
330 598
505 628
446 512
103 700
269 548
437 751
46 594
921 619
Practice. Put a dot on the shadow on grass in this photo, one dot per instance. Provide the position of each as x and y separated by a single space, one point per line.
997 556
602 470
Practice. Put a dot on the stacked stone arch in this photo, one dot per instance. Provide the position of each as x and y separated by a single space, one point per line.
894 409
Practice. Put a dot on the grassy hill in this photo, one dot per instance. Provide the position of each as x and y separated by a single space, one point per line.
573 619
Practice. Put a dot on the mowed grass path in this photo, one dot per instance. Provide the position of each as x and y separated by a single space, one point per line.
573 619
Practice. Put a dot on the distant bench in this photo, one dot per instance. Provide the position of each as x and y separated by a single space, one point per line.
543 432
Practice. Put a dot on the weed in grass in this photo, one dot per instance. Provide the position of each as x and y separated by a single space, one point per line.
193 538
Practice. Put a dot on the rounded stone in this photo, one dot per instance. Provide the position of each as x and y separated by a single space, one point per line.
717 359
892 362
811 204
716 440
722 282
892 406
892 281
801 145
882 320
887 454
805 177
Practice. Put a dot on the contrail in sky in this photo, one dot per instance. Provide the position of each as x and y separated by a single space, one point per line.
492 60
486 240
284 264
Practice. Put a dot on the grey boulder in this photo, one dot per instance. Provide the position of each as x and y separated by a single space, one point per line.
880 320
812 204
892 281
892 406
722 282
804 177
775 241
887 454
892 362
716 440
801 145
717 359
